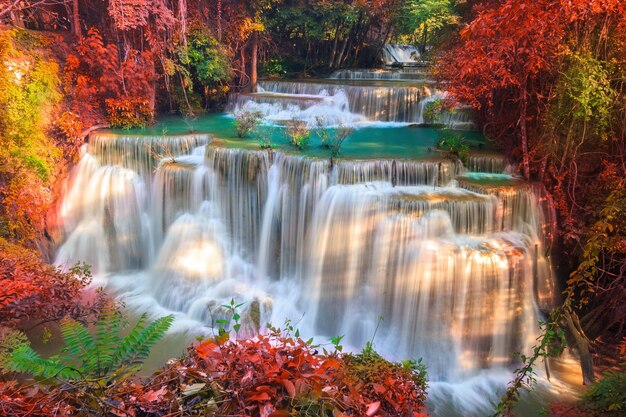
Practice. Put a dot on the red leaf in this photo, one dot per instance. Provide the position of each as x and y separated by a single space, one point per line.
280 413
208 349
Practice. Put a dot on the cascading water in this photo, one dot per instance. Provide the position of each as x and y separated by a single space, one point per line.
453 262
365 97
414 74
386 103
394 54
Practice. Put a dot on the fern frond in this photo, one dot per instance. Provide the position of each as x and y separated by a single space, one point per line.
78 341
135 347
25 360
106 340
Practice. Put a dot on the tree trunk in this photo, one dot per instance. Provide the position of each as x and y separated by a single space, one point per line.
219 20
424 37
523 131
76 21
242 57
335 42
339 57
253 62
582 344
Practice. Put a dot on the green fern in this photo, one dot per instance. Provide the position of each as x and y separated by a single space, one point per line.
98 356
25 360
135 347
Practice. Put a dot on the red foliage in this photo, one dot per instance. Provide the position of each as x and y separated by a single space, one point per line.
269 376
129 112
16 401
32 290
97 72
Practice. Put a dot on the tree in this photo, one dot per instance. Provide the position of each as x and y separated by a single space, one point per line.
501 58
421 19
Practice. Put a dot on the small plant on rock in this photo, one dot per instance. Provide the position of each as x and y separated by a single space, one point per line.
455 145
322 131
264 138
341 134
433 111
332 138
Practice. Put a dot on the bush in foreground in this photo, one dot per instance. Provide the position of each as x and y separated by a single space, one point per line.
271 375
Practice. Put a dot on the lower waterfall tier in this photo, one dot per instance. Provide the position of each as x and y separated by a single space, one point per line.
451 259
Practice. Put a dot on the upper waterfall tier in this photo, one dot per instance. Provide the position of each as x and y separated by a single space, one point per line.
394 54
376 101
413 74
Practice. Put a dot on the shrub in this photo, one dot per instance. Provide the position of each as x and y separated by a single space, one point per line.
102 356
33 291
69 128
128 113
274 68
455 145
29 93
275 374
332 138
341 134
433 110
206 63
246 121
608 395
299 134
264 138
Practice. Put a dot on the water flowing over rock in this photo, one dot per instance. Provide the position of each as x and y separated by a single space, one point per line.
452 259
394 54
366 97
408 74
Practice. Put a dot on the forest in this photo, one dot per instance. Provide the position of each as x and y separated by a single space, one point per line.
111 110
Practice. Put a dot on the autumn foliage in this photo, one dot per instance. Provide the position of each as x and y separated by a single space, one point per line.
96 74
33 292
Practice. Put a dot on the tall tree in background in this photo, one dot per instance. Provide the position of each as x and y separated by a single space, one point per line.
501 59
420 21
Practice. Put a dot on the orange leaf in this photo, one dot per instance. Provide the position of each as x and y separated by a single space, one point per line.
264 396
207 349
291 389
152 396
280 413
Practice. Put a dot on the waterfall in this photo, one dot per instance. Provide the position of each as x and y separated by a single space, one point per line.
387 103
371 99
409 74
278 107
400 54
451 258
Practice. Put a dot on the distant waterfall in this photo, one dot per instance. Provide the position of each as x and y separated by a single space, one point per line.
400 54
